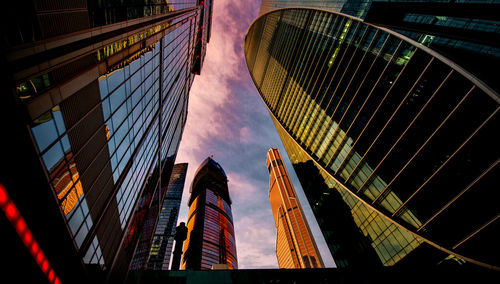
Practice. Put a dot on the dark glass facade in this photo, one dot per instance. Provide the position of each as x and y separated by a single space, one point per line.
402 134
211 238
163 239
465 31
105 106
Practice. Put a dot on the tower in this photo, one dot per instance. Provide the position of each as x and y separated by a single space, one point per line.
180 236
155 245
163 238
211 239
397 130
295 244
98 93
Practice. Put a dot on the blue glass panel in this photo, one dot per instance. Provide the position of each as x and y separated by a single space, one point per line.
103 87
53 156
115 79
117 98
45 134
106 109
59 121
76 219
65 143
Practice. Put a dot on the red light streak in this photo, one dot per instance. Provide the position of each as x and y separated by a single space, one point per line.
51 275
39 258
3 196
10 211
45 266
20 226
27 238
17 221
34 248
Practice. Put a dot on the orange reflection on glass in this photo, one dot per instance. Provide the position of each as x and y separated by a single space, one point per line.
66 183
295 245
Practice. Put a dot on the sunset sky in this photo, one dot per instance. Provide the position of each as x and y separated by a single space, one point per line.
227 119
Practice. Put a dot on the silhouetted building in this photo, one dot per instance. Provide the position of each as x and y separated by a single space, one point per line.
210 221
368 275
295 244
95 102
406 136
180 236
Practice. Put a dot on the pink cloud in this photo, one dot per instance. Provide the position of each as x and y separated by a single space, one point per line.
211 93
255 243
254 225
244 134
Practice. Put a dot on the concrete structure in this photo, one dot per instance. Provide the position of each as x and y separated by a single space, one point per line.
180 236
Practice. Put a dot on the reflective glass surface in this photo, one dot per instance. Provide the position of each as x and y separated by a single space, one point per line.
295 244
163 239
211 237
478 51
102 144
392 127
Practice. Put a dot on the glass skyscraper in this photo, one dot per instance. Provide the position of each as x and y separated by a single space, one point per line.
210 240
398 137
163 239
295 244
100 94
156 241
465 31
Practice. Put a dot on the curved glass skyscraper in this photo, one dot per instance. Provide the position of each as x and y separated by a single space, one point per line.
210 239
399 138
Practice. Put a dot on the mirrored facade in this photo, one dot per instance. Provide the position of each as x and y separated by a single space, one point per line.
163 239
211 239
403 135
466 31
106 103
295 244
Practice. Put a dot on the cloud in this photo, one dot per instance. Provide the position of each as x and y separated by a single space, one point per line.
220 122
244 134
255 243
212 94
254 225
228 119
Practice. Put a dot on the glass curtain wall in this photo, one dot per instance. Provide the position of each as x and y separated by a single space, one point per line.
105 146
211 238
403 134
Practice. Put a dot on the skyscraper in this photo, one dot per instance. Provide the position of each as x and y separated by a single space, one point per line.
295 244
210 239
97 93
402 135
464 31
163 239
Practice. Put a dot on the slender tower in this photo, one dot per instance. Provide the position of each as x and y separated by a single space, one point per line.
179 236
210 243
163 239
295 245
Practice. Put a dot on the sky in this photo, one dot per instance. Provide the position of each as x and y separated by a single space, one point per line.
228 119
